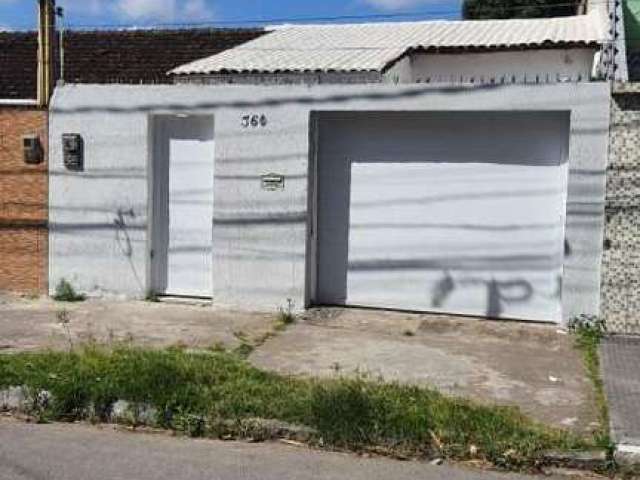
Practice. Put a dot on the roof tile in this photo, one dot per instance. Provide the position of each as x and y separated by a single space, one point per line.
120 56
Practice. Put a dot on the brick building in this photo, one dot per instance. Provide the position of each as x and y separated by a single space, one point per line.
132 57
23 185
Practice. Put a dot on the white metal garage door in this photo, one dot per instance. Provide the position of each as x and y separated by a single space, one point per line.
453 212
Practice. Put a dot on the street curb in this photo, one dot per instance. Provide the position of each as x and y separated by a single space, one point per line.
627 455
579 460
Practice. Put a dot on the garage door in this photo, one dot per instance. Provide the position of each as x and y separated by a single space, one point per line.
450 212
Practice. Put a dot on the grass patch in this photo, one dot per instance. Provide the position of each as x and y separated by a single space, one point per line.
589 333
66 293
192 392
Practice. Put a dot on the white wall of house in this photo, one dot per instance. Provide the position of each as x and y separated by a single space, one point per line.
527 66
263 240
508 67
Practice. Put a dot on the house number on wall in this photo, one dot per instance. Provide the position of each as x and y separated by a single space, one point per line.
254 121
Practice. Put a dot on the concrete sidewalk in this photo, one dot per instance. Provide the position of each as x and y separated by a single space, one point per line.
621 372
35 324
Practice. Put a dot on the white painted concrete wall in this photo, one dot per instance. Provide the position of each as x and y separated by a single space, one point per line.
519 67
528 66
99 218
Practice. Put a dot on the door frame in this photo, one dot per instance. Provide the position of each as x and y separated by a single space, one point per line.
155 125
312 258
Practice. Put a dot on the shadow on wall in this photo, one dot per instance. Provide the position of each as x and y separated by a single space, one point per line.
397 93
123 240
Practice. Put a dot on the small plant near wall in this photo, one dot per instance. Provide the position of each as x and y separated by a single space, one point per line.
589 325
66 293
152 297
286 315
64 320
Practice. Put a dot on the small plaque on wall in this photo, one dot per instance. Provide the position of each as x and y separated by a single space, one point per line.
272 182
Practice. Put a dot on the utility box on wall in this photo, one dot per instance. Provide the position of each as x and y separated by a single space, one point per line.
32 148
73 151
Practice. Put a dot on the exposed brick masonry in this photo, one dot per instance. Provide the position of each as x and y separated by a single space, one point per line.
23 203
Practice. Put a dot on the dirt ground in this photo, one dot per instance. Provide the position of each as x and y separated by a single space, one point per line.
534 367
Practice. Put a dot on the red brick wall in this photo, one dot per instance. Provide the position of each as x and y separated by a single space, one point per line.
23 203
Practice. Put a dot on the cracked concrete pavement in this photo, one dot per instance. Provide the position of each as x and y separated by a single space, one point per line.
531 366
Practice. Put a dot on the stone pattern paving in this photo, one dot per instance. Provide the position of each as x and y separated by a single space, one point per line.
621 257
621 369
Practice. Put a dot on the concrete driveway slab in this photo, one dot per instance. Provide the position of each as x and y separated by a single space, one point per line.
534 367
35 324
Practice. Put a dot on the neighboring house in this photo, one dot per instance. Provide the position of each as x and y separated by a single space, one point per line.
621 259
117 56
141 56
96 57
523 51
23 164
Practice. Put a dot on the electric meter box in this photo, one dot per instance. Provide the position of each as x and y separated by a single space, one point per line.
73 151
32 148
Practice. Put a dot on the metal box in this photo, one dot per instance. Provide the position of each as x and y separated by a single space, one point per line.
73 151
32 148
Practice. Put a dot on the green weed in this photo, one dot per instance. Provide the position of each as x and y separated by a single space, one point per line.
589 332
193 393
66 293
286 315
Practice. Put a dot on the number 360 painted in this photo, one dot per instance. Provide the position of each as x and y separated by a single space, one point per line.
254 121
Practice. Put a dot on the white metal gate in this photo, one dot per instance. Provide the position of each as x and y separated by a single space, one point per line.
452 212
184 173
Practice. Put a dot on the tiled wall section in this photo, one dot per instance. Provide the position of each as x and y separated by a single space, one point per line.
23 203
621 260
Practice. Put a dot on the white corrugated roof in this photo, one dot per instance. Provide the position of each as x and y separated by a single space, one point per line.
373 46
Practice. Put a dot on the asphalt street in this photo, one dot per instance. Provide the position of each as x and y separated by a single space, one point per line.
80 452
